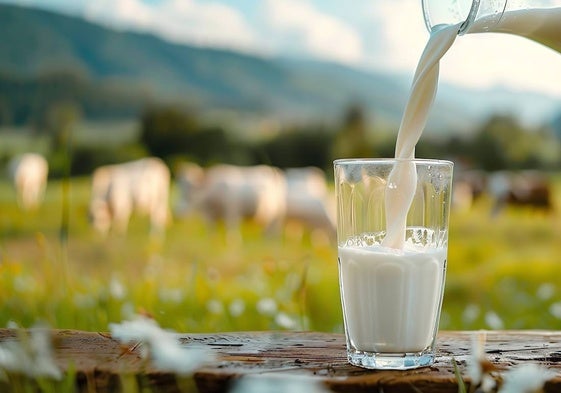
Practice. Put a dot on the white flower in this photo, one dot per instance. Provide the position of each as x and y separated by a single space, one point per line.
167 354
474 369
545 291
471 312
32 356
116 288
277 384
139 329
237 307
12 325
555 310
285 321
171 295
525 378
215 306
478 364
493 320
267 306
161 346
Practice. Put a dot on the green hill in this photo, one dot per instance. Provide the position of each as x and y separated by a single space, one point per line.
114 73
37 42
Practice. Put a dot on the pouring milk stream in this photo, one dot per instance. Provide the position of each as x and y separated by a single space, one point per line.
540 25
394 319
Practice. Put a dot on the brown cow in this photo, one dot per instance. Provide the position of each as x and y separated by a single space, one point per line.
525 188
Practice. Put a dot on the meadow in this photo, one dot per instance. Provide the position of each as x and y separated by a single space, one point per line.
503 271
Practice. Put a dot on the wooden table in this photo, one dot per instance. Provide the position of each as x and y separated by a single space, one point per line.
319 357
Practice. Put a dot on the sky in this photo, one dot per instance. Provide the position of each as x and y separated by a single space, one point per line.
368 34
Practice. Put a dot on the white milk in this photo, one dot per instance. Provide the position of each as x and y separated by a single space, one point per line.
540 25
392 298
402 181
391 294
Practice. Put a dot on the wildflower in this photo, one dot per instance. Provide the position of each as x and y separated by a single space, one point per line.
471 312
277 384
171 295
555 310
160 346
285 321
167 354
12 324
545 291
237 307
32 356
267 306
525 378
493 320
478 367
116 288
215 306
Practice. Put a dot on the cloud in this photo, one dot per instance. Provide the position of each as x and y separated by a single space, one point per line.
474 61
183 21
484 60
300 27
402 33
382 35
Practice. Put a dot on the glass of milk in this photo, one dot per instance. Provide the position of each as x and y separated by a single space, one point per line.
392 297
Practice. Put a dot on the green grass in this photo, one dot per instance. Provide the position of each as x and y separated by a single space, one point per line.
193 281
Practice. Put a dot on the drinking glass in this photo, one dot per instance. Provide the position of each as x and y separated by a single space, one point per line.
391 297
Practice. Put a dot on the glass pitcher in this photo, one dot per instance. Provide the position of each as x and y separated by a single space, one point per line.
485 13
538 20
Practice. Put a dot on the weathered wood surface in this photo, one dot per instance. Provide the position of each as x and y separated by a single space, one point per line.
320 357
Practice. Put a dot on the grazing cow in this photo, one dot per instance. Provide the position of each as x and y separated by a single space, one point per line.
29 173
308 200
526 188
468 186
118 190
232 193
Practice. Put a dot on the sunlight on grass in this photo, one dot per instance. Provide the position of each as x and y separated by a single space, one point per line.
502 273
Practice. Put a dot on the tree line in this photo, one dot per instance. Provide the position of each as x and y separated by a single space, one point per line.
175 133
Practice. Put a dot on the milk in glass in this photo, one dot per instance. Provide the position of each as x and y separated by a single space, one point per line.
392 291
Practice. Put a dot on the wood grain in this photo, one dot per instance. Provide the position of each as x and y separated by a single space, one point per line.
103 364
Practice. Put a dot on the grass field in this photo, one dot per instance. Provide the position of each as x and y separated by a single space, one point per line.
503 272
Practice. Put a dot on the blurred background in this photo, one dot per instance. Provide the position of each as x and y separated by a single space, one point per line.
281 83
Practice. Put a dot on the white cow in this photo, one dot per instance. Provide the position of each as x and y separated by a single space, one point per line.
232 193
119 190
29 173
309 201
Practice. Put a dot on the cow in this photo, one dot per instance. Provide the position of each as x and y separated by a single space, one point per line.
118 190
231 194
469 186
524 188
29 172
309 202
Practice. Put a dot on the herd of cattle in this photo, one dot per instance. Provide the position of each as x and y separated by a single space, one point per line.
222 193
231 194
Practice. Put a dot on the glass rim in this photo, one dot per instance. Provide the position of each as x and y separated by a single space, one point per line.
353 161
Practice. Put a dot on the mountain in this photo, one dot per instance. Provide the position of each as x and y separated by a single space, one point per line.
141 67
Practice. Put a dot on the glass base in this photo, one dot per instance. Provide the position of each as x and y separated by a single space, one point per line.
389 361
